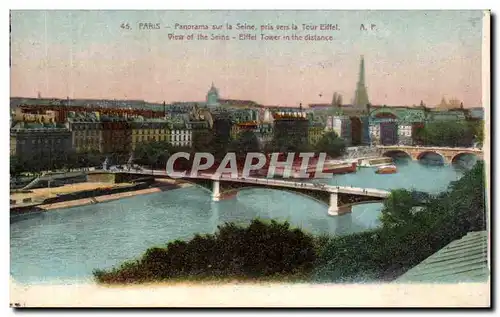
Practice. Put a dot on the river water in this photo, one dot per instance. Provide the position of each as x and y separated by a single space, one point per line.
66 245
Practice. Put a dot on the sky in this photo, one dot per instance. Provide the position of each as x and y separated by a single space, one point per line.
409 56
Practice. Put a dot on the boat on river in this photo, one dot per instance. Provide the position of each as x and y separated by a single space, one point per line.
328 168
375 161
386 169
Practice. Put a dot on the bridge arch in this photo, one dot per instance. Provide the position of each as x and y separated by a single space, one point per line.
462 154
363 203
423 154
205 185
324 202
394 153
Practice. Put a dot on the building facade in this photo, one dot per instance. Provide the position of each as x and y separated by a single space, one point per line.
263 131
34 115
291 130
315 133
147 131
181 135
405 134
86 132
116 135
35 141
341 125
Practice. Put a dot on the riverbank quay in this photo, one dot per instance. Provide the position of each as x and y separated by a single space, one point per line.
251 295
93 193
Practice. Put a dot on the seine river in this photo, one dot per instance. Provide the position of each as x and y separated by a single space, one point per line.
66 245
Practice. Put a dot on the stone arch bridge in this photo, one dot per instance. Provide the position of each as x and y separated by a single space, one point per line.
448 154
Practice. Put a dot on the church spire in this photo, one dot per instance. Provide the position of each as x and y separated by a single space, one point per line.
361 95
362 71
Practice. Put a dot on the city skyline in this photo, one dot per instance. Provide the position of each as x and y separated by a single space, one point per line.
412 56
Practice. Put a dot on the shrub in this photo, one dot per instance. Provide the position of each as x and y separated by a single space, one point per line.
261 250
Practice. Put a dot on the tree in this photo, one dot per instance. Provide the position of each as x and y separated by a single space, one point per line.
17 166
244 143
261 250
331 144
153 154
447 133
401 207
221 135
468 199
477 128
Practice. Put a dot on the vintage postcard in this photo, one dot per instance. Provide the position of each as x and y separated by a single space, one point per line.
249 158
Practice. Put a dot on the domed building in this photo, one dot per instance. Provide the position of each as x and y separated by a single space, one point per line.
213 97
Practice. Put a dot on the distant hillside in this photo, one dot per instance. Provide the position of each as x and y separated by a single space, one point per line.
106 103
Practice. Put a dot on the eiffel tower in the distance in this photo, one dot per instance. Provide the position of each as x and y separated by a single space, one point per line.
361 95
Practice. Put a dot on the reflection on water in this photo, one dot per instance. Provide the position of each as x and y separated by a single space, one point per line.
68 244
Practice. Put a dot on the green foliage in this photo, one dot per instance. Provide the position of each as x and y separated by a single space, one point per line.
54 161
244 143
287 139
331 144
261 250
447 133
16 166
283 145
153 153
407 237
203 141
402 208
477 128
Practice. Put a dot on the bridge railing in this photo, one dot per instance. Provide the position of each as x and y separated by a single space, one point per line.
429 147
278 182
314 186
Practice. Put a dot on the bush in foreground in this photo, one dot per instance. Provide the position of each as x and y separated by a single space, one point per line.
261 250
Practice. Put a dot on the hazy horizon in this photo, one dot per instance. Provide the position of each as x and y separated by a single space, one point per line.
410 56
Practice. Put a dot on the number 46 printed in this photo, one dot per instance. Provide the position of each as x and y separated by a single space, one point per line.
125 26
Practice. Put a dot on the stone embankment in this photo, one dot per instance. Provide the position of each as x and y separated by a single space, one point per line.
66 202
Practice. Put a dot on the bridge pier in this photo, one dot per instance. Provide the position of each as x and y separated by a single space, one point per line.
216 196
333 207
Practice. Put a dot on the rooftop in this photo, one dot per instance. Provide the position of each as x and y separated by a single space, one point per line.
36 125
320 105
236 102
248 123
463 260
290 115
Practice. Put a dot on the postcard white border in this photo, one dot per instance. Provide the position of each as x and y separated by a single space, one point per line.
465 292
